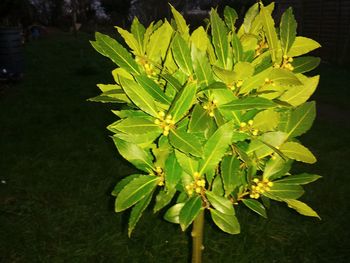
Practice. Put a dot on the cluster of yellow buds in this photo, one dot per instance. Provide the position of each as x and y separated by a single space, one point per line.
235 85
247 127
149 68
197 186
258 49
269 82
260 187
286 64
165 122
159 171
210 106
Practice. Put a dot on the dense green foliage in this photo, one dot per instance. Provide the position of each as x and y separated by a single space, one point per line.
211 118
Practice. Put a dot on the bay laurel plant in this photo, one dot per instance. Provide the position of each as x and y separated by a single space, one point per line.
211 118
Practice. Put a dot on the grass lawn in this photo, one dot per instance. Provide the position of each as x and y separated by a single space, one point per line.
58 167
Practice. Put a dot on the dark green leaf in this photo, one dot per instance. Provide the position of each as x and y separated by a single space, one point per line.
186 142
305 64
136 212
227 223
220 203
280 191
190 211
172 215
230 16
188 164
122 183
256 206
230 173
173 171
163 198
303 178
134 154
135 191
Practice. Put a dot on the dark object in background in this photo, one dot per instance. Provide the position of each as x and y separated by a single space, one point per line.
11 55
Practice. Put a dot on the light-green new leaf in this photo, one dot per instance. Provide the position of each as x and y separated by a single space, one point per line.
288 30
248 103
135 191
270 31
110 48
301 46
182 54
301 208
296 151
139 96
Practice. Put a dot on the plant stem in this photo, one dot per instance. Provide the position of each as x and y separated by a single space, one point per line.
197 238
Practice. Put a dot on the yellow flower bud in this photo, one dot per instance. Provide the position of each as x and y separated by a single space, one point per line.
211 114
239 83
168 117
198 190
270 184
161 114
285 56
166 128
161 183
243 124
215 101
255 132
188 187
267 80
290 59
190 192
157 121
205 107
250 122
256 180
256 196
267 188
251 196
196 175
165 133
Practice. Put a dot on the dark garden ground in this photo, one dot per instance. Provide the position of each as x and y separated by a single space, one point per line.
58 167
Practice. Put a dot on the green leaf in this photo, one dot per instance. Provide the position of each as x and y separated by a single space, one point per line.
298 121
159 42
255 206
301 208
139 96
237 48
250 16
227 76
116 52
299 94
173 171
254 82
270 32
188 164
181 25
135 191
130 40
283 77
183 102
288 30
200 119
200 39
227 223
136 126
215 148
182 54
122 183
262 146
303 178
186 142
244 70
153 89
137 211
219 38
266 120
305 64
163 198
230 173
301 46
221 204
280 191
138 30
276 167
202 69
230 16
172 215
190 211
134 154
248 103
296 151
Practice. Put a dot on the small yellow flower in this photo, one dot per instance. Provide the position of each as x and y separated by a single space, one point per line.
198 190
242 124
196 175
250 122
